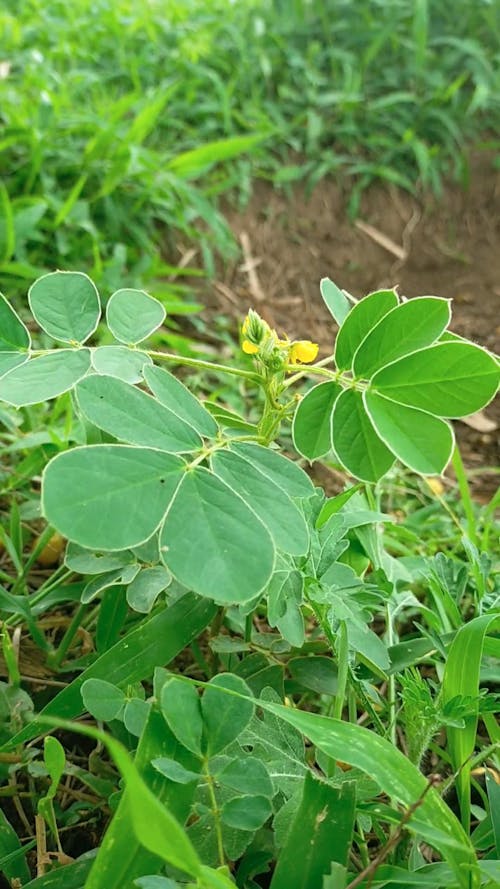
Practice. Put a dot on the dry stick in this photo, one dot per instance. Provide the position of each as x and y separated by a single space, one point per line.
249 268
381 239
393 840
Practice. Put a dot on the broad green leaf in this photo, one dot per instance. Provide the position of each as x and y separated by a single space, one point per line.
433 820
247 775
229 419
66 305
357 445
16 868
155 641
278 468
317 673
9 360
180 705
420 440
145 588
413 325
84 561
109 497
40 379
102 699
359 322
174 770
448 379
121 362
336 302
275 509
14 336
174 395
225 716
131 415
72 876
321 832
311 428
246 812
461 677
213 543
132 315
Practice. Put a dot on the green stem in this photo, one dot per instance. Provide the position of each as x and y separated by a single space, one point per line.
57 658
463 487
206 365
215 813
343 669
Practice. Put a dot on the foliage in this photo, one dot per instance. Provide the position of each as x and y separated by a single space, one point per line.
236 610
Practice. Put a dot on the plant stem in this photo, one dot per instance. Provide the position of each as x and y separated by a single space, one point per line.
215 812
343 669
206 365
463 487
58 656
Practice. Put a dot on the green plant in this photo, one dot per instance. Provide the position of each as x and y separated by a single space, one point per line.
184 518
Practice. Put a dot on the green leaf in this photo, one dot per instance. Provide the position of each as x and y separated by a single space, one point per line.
247 775
72 876
174 771
40 379
448 379
121 362
321 832
213 543
282 471
109 497
66 305
317 673
336 302
180 705
413 325
155 641
280 515
420 440
357 445
9 360
311 428
334 504
133 315
102 699
103 582
84 561
131 415
246 812
55 762
190 163
461 677
14 336
225 716
16 868
145 588
175 396
359 322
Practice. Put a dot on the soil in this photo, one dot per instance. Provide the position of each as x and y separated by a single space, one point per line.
448 247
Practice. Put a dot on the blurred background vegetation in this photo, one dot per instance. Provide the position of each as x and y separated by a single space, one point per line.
123 122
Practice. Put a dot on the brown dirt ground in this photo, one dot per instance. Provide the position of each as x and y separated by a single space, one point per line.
451 246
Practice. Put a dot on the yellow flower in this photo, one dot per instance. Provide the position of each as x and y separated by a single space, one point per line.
303 352
249 348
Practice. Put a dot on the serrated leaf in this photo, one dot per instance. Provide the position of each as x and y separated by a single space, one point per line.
359 322
133 315
120 362
146 586
282 471
180 705
103 700
420 440
43 378
14 336
225 716
311 428
131 415
413 325
66 305
82 499
212 541
336 302
276 510
246 812
175 396
247 775
357 445
450 379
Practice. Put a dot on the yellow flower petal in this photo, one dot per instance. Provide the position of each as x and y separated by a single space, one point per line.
249 348
303 352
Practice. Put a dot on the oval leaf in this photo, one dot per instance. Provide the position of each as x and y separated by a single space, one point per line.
40 379
246 812
336 302
449 379
133 315
360 320
109 497
276 510
213 543
121 362
133 416
420 440
312 422
180 705
174 395
66 305
225 715
414 325
14 336
103 700
356 443
282 471
145 588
